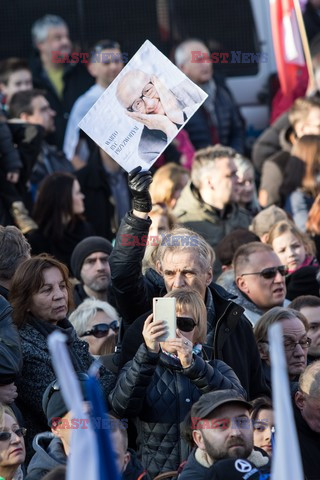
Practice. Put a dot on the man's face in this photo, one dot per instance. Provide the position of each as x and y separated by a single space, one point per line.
265 293
312 314
138 94
224 181
18 82
294 331
310 409
42 114
182 269
109 66
229 435
122 457
58 40
198 72
95 272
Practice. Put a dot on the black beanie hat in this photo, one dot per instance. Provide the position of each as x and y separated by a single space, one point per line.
53 404
85 248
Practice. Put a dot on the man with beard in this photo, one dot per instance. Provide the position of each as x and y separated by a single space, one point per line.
221 428
90 266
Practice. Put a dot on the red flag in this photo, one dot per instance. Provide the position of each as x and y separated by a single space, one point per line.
287 44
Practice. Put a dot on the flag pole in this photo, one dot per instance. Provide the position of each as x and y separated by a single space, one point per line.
305 43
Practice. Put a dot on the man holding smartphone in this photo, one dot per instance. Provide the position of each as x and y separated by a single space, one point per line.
186 263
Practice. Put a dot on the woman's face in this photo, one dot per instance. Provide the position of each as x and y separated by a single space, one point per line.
77 199
50 303
96 344
12 451
262 430
183 312
246 186
290 250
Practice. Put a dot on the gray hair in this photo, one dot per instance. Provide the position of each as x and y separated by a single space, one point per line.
88 309
204 161
309 382
14 249
41 27
182 52
184 239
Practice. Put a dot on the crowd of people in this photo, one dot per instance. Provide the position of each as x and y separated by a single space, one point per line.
85 247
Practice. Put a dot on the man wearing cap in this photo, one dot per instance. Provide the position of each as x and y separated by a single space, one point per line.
90 266
221 428
53 448
264 220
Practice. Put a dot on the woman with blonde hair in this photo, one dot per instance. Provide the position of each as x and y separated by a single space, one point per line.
158 387
168 183
12 447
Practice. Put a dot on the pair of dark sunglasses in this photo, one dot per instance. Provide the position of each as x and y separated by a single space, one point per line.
101 329
270 272
5 436
186 324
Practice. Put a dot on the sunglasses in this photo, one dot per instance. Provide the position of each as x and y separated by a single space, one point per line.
5 436
101 329
271 272
186 324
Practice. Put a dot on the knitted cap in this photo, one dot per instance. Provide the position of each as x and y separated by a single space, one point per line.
85 248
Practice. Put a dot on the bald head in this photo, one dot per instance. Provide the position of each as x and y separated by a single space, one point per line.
198 72
309 382
131 86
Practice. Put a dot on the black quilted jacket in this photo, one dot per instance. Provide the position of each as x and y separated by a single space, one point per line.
158 393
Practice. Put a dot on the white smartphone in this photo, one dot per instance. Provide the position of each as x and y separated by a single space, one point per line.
165 309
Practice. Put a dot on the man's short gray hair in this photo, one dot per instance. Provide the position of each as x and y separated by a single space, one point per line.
182 52
41 27
88 309
14 249
184 239
204 160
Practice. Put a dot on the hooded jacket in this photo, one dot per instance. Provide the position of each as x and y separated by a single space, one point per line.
158 393
211 223
49 454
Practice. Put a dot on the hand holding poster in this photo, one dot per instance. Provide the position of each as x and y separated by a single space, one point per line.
143 109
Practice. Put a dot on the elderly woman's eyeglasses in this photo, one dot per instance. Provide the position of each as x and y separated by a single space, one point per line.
186 324
5 436
101 329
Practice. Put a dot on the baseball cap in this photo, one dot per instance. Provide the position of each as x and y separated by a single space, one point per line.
212 400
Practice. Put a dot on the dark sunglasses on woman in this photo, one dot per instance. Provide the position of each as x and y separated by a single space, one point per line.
101 329
186 324
21 432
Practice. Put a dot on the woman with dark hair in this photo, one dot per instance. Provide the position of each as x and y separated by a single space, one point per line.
301 180
262 423
41 297
58 212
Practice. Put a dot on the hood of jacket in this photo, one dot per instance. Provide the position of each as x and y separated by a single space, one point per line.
49 453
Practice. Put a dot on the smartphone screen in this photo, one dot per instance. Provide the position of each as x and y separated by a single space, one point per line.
165 309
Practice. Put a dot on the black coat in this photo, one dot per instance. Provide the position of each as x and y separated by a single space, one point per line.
232 337
158 393
98 201
77 81
10 349
309 446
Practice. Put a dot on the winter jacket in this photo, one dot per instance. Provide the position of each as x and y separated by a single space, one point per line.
37 371
49 454
77 81
298 205
229 125
200 467
269 142
9 156
309 441
158 393
274 168
10 349
209 222
230 337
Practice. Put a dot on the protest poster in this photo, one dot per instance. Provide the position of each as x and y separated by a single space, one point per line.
143 109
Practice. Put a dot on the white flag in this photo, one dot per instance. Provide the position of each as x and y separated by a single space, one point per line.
286 458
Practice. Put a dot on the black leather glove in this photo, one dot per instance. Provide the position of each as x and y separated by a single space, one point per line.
139 182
